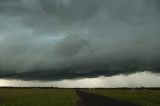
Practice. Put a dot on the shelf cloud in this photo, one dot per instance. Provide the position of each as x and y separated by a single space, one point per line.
67 39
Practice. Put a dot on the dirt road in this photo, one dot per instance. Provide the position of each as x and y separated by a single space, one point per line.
88 99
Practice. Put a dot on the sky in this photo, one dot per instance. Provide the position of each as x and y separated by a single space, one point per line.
63 41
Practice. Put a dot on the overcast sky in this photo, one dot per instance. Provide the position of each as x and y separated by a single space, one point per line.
52 40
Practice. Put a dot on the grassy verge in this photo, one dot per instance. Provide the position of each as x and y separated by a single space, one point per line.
38 97
141 97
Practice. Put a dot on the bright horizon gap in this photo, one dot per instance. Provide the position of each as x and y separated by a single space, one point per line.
136 80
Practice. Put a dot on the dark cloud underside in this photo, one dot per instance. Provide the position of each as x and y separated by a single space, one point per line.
61 39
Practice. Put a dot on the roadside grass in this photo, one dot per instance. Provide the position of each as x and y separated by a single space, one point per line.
38 97
141 97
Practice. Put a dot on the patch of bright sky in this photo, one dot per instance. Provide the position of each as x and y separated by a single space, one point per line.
142 79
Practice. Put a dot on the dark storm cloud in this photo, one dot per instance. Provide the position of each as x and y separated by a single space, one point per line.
58 39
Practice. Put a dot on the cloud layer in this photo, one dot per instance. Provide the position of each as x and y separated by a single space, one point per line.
141 79
59 39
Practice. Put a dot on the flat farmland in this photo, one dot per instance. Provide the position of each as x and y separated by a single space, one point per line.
38 97
78 97
143 97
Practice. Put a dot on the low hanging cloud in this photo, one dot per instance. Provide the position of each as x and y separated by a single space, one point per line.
61 39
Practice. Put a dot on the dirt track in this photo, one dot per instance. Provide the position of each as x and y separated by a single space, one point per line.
88 99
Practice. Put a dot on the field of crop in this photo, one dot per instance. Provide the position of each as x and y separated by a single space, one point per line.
38 97
141 97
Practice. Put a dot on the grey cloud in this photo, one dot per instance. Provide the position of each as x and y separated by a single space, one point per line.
58 39
70 46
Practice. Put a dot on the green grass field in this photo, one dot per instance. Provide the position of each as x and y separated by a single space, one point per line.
68 97
141 97
38 97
